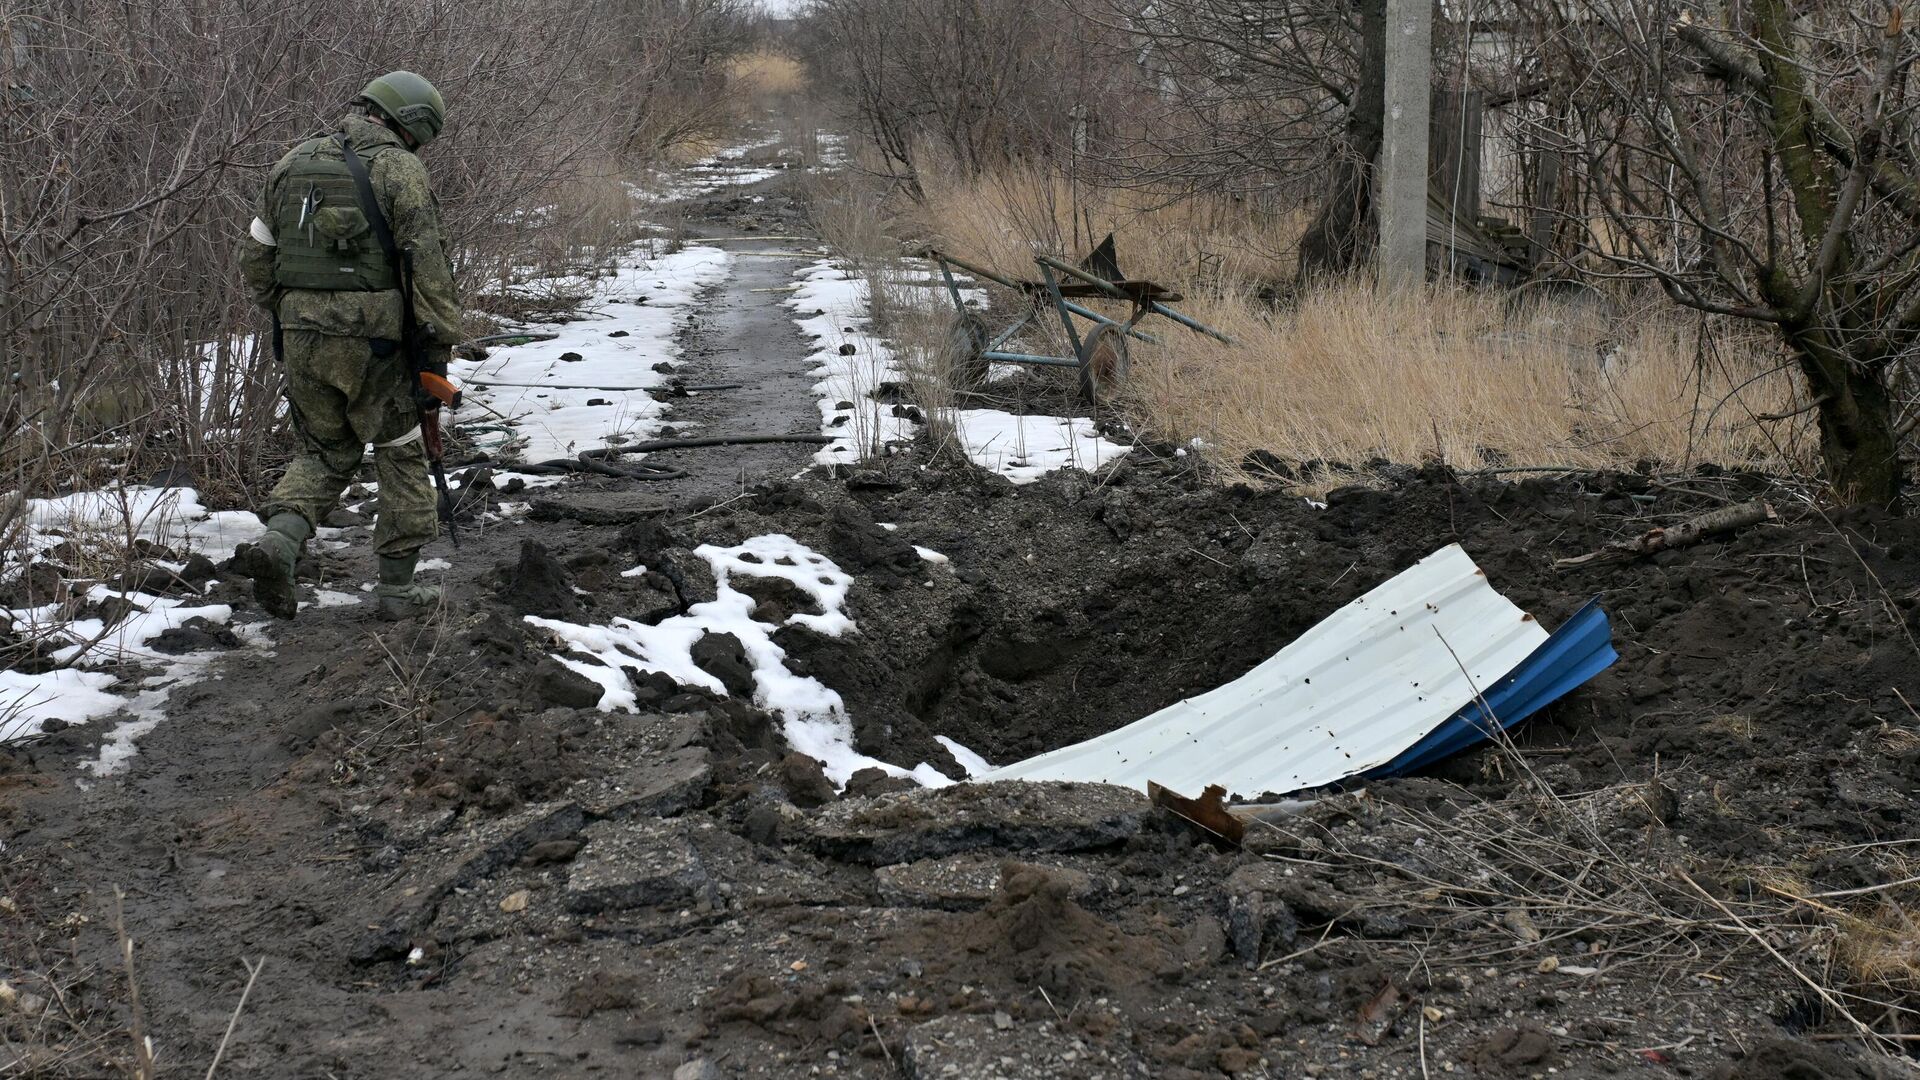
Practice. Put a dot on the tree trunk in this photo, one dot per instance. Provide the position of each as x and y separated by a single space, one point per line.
1336 240
1855 413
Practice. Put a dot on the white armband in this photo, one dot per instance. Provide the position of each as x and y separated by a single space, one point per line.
410 437
259 231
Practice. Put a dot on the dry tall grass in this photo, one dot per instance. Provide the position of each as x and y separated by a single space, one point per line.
766 73
1343 377
1473 378
1002 218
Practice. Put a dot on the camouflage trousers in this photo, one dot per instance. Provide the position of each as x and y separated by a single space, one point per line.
345 397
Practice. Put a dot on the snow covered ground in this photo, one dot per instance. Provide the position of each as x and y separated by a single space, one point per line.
831 307
813 717
170 516
586 388
88 685
726 169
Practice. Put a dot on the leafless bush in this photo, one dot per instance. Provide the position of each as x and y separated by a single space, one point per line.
937 85
137 137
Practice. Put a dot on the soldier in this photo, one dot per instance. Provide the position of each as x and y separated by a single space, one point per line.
318 263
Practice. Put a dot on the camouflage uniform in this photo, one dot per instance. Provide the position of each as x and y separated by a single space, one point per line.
347 380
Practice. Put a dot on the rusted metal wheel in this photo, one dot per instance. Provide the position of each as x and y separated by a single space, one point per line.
967 339
1104 362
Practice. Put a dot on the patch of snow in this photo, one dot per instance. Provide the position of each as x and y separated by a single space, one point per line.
106 519
94 643
27 702
1025 448
813 717
433 564
973 763
77 695
171 516
930 555
646 298
725 169
635 572
146 710
326 598
831 306
501 476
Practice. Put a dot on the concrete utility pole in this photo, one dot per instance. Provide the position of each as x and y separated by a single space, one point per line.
1403 166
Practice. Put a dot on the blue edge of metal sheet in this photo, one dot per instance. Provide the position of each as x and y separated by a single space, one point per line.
1579 650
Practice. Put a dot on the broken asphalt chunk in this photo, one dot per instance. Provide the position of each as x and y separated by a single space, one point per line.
1015 816
656 785
961 882
639 863
480 853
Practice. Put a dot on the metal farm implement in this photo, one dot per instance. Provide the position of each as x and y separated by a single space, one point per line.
1100 356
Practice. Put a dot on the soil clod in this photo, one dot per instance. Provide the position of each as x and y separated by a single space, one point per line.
539 585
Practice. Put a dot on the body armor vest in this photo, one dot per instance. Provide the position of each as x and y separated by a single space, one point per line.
325 241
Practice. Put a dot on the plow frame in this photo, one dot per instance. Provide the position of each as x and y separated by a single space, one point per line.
1100 355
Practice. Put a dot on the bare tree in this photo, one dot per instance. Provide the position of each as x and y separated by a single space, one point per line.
1757 161
1246 96
973 82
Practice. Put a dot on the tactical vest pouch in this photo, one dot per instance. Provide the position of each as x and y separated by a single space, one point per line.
325 241
341 225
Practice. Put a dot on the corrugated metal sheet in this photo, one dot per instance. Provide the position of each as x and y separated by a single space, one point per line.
1348 696
1577 651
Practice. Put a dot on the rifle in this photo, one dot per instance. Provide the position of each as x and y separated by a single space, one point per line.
431 390
431 387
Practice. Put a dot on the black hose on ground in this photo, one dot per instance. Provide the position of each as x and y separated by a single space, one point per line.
596 461
559 466
709 440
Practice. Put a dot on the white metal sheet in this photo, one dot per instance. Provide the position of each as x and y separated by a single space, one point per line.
1348 695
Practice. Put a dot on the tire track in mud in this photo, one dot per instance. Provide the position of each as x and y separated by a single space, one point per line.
745 336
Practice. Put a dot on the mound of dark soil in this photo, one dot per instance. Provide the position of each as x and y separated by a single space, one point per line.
1034 932
539 584
1769 659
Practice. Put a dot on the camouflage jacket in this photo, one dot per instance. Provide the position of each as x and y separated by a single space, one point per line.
400 184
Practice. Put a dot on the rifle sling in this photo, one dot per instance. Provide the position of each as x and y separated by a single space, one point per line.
370 206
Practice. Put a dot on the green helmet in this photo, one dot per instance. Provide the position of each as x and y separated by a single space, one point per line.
410 101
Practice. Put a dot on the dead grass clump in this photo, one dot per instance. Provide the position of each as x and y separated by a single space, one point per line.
766 73
853 215
1476 379
582 224
691 148
915 318
1882 949
1001 219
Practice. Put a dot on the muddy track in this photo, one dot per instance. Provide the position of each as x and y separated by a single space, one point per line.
454 864
745 338
227 847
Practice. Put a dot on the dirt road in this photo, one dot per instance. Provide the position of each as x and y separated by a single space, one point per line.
228 837
455 856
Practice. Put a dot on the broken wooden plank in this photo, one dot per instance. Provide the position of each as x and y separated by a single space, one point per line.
1208 813
1691 531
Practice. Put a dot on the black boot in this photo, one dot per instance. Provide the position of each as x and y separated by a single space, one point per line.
270 562
401 597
